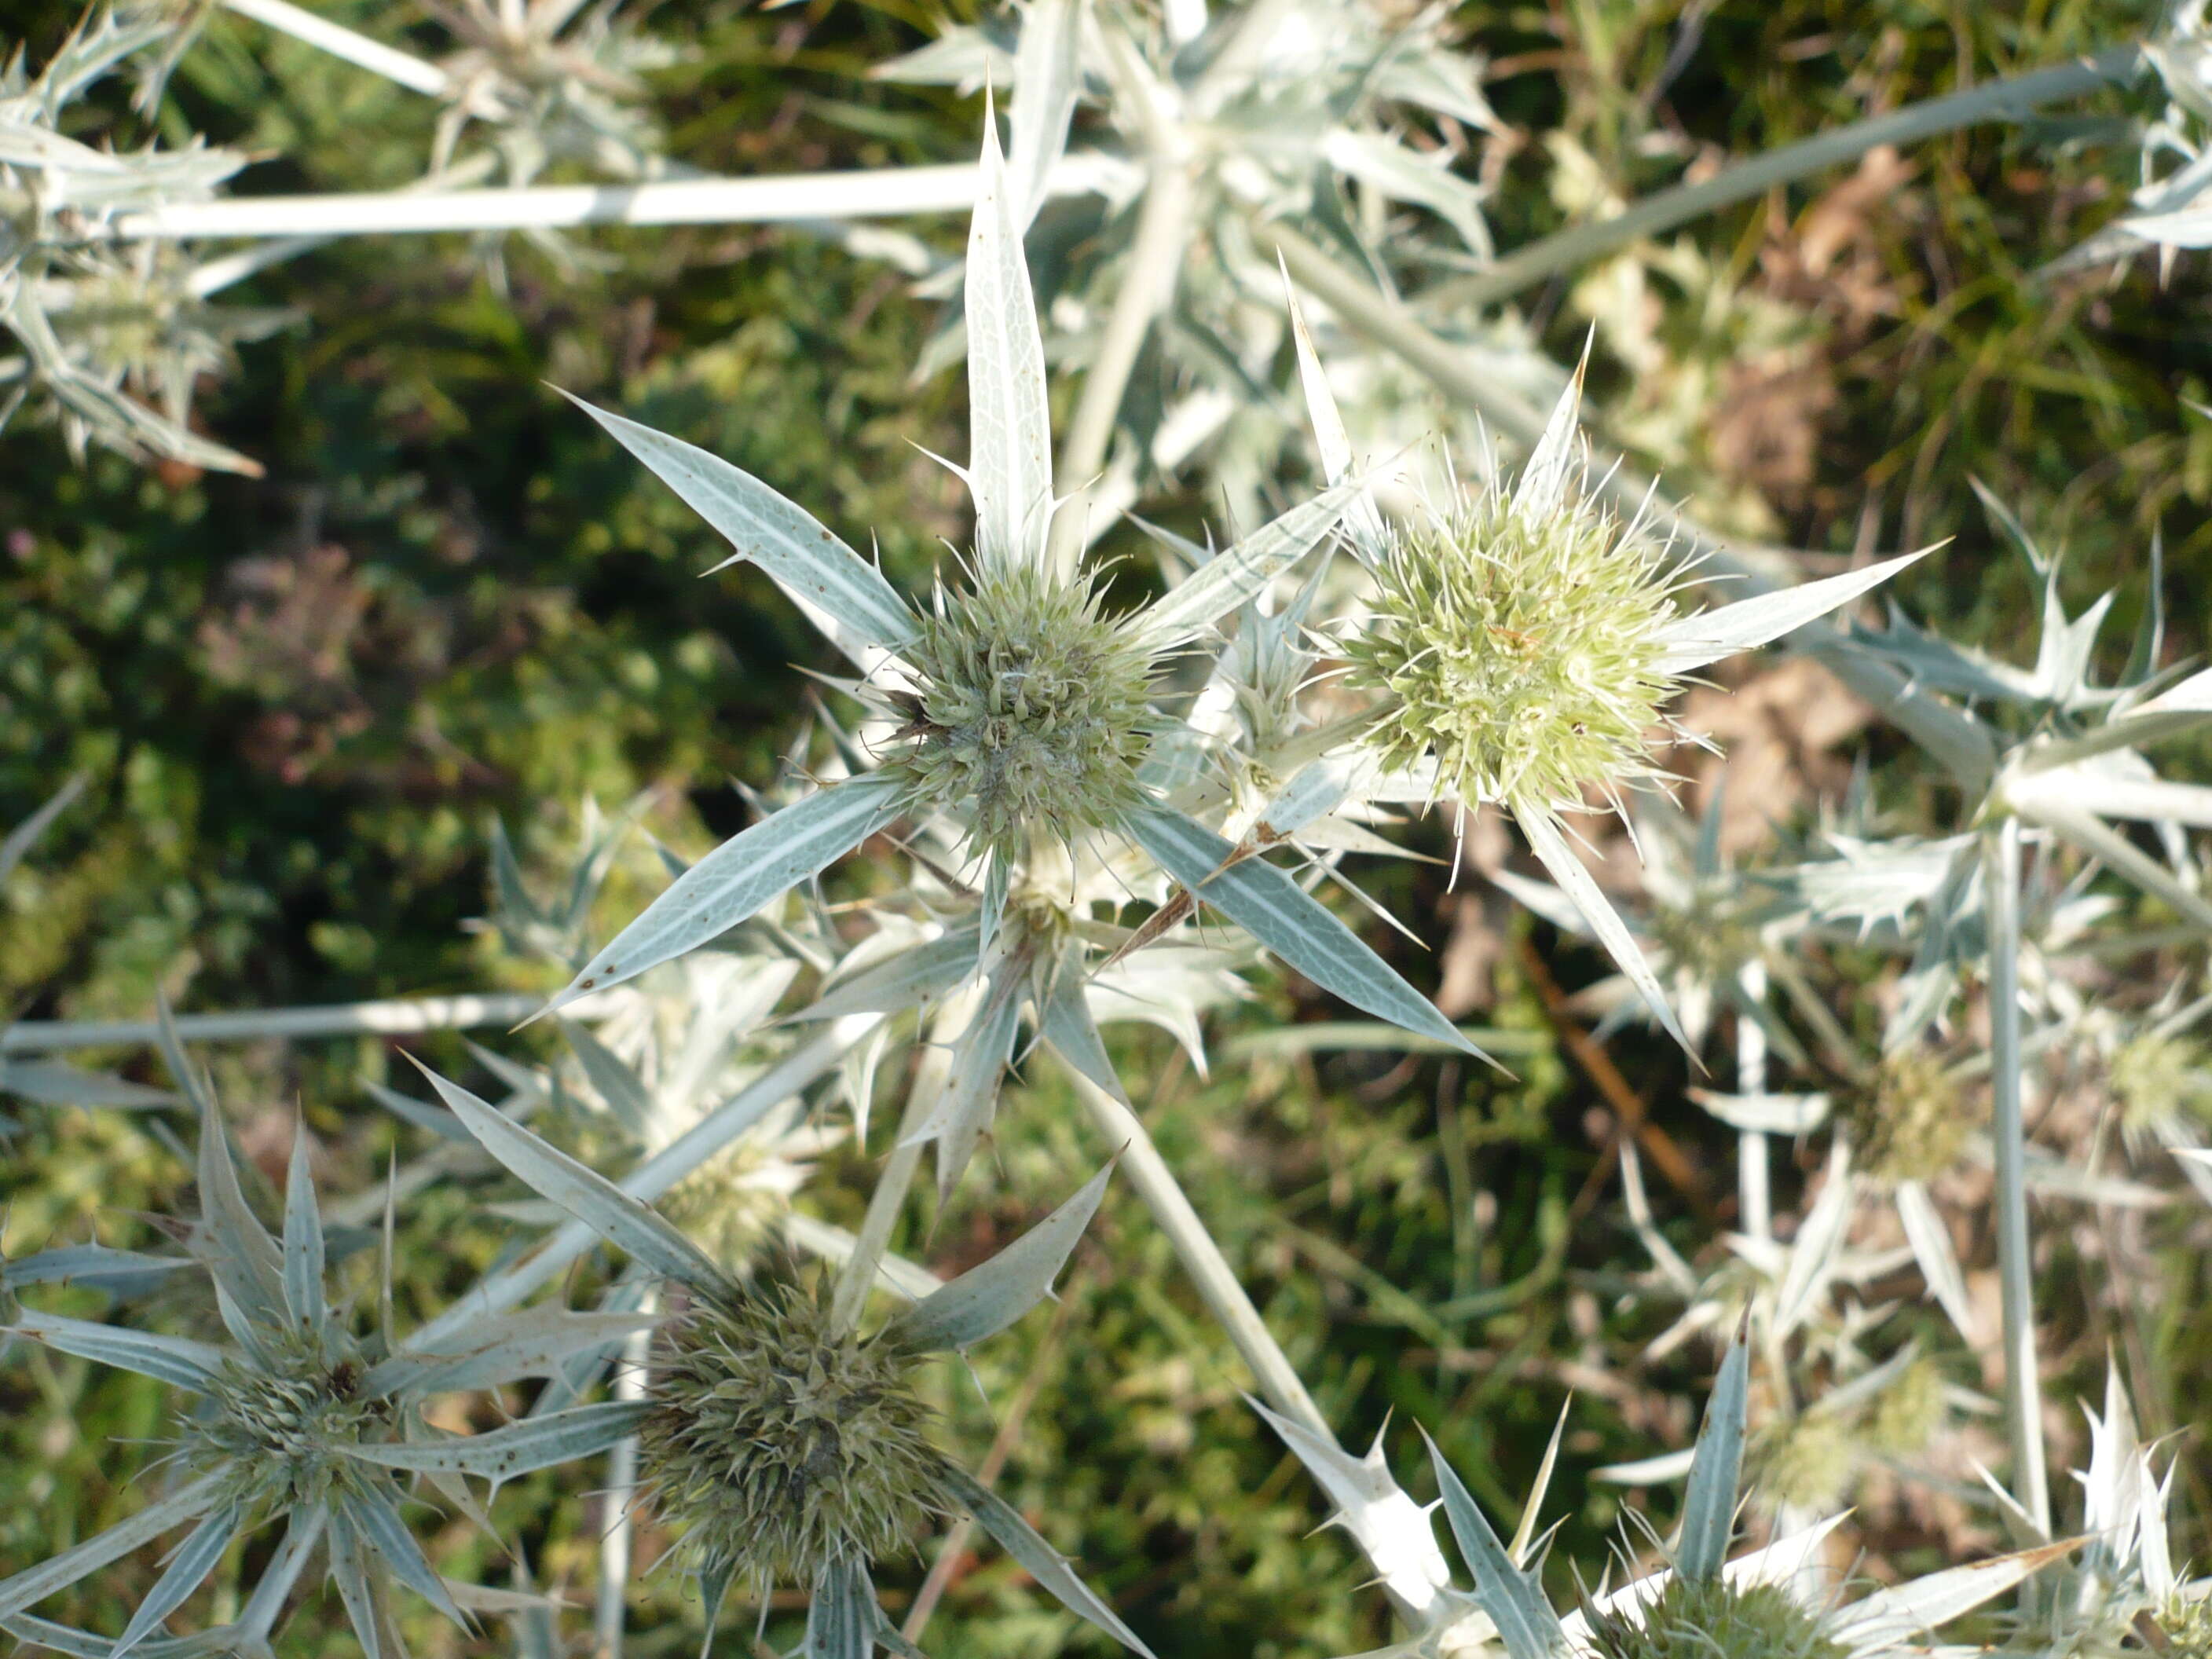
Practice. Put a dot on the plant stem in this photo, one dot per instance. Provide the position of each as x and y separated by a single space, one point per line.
359 50
399 1016
1148 284
1201 1257
1755 1196
2023 1387
615 1543
803 1067
889 192
1994 101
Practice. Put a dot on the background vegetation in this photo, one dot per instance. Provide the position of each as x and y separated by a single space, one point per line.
302 700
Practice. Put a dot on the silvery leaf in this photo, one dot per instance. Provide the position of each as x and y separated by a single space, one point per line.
1397 173
240 1254
1049 74
35 1584
1525 1621
1362 525
500 1348
375 1519
188 1568
842 1614
20 839
1392 1531
50 1083
1044 1564
625 1222
1931 1247
803 558
1903 1613
1693 642
1241 573
120 1273
913 976
303 1240
1708 1504
1766 1114
1010 449
610 1077
363 1604
515 1449
1542 485
1290 923
963 1107
188 1364
1559 862
738 878
988 1298
1066 1023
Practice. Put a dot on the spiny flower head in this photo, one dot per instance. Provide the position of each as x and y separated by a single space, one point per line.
1030 711
2155 1074
1808 1462
1521 646
275 1426
1711 1619
1911 1411
2185 1621
783 1447
1909 1123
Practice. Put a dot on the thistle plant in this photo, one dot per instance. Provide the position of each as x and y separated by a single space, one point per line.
301 1416
790 1448
1517 650
1767 1602
1016 731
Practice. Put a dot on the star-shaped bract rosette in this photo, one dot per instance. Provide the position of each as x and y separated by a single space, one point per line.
1517 647
1019 715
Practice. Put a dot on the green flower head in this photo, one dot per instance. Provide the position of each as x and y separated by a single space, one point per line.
1910 1123
1029 713
1712 1618
1521 646
782 1446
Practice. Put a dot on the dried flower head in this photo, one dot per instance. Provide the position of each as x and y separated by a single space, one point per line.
1712 1618
1910 1122
1029 713
783 1447
1521 646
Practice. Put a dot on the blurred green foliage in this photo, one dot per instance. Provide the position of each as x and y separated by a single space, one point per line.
301 700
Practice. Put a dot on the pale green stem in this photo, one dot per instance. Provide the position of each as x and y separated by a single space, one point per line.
400 1016
1201 1257
1995 100
2023 1387
1753 1190
505 1289
403 68
1148 284
616 1542
858 1276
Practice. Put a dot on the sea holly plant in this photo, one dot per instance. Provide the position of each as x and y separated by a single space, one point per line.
1324 112
1014 722
1519 646
1759 1606
301 1416
789 1448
